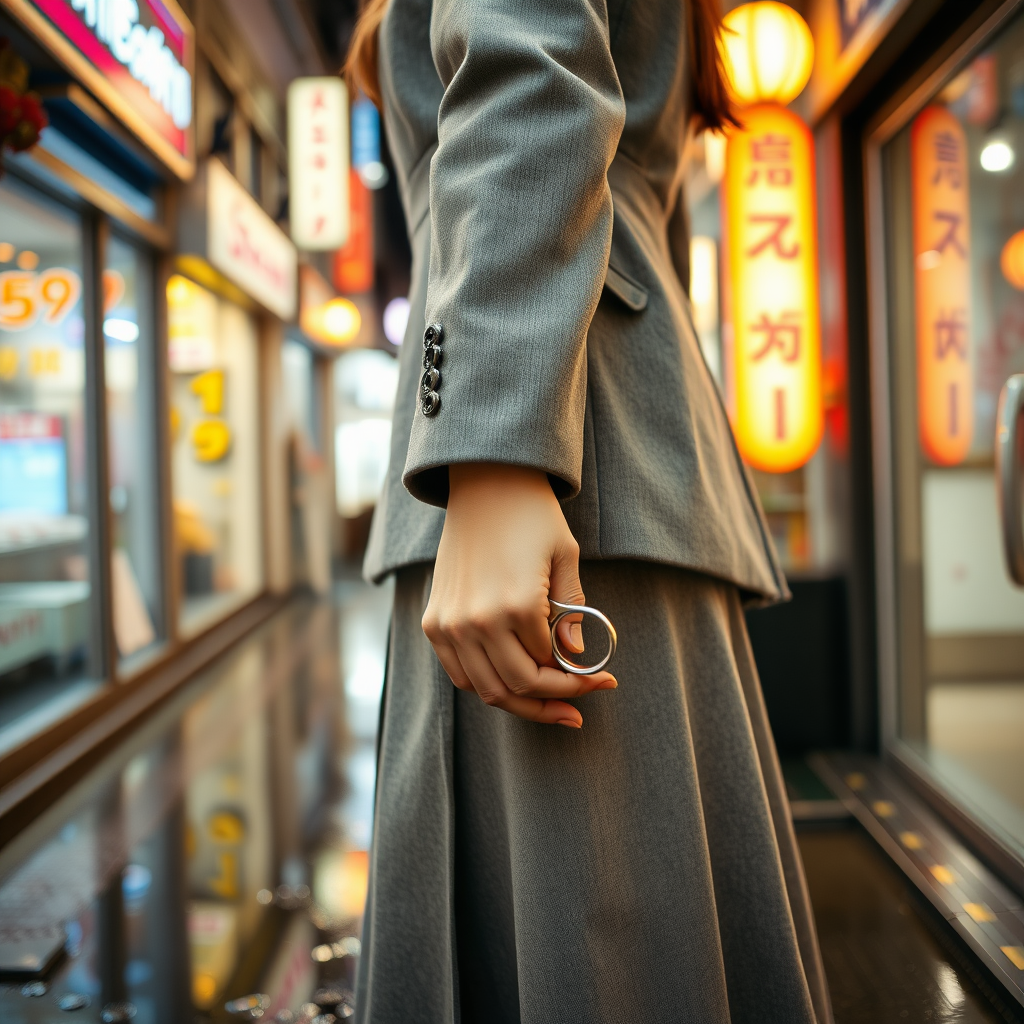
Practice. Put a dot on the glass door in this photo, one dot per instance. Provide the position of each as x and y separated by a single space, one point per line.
952 215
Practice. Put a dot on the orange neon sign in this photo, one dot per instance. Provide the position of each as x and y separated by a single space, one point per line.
942 232
771 230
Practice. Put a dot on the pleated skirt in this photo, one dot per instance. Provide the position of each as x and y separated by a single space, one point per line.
641 869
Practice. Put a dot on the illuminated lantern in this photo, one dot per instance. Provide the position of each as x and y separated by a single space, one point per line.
778 416
1011 261
941 217
768 52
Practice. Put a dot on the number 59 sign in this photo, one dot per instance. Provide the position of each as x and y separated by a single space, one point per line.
25 296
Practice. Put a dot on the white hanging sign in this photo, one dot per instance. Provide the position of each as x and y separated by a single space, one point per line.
247 246
318 163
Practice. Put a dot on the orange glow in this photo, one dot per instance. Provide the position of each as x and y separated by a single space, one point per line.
773 268
353 262
333 323
768 52
1011 261
942 233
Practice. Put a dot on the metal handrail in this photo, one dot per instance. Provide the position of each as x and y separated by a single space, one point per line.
1009 462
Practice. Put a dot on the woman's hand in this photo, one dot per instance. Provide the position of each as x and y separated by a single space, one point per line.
504 549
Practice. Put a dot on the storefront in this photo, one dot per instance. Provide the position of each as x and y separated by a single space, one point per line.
144 297
917 111
943 184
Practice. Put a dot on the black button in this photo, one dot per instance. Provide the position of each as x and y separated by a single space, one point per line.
430 380
433 335
431 403
431 357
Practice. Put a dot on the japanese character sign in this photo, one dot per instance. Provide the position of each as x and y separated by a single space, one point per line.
771 236
318 163
941 232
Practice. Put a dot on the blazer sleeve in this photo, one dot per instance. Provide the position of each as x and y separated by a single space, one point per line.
521 221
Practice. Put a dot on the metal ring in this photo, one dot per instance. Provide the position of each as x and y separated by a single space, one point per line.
559 612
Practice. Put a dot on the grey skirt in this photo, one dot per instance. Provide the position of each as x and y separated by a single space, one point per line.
642 869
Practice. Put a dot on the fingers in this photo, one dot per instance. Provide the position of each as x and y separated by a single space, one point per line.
493 691
451 664
565 586
501 671
525 678
570 633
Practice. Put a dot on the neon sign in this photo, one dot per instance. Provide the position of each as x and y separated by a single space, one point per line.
942 232
773 270
137 56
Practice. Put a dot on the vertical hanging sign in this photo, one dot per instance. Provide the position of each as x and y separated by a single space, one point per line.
773 268
941 215
318 163
353 262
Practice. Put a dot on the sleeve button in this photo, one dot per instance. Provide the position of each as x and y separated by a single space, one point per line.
430 380
431 357
430 403
433 335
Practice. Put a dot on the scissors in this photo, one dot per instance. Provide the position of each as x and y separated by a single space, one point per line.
559 612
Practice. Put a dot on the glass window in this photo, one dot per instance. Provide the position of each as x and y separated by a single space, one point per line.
954 180
131 426
46 653
213 354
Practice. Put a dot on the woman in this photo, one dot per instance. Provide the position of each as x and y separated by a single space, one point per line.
627 855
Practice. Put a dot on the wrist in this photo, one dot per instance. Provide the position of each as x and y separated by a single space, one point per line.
476 481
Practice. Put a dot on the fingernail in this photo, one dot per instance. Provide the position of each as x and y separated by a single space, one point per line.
570 723
609 684
576 634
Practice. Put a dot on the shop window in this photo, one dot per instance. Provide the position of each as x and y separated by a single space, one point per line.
364 387
954 181
130 365
48 653
213 356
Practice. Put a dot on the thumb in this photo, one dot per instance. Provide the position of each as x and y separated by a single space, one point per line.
565 587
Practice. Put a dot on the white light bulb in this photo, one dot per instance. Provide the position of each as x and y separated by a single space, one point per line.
997 156
396 318
121 330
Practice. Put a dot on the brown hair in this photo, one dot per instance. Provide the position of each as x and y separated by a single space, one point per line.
361 64
710 106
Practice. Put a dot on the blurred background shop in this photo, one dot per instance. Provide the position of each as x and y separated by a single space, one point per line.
203 280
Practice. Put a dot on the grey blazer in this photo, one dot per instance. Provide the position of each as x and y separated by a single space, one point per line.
538 148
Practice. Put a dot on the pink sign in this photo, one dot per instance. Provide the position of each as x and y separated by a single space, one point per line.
137 56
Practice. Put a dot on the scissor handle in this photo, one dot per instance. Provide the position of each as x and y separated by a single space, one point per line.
559 612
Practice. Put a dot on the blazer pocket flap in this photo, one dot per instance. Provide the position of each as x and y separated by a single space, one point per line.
625 289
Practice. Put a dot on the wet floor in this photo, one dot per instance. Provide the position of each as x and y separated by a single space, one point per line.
884 964
220 856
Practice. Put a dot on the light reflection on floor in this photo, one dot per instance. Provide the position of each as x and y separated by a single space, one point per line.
221 852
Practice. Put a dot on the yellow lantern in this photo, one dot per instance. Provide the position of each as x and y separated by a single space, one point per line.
1011 261
768 52
770 227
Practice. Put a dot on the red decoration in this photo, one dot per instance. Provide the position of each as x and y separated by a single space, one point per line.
22 117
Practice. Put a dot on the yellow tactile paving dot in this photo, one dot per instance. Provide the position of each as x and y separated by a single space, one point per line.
856 780
942 874
911 840
980 912
884 808
1015 954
